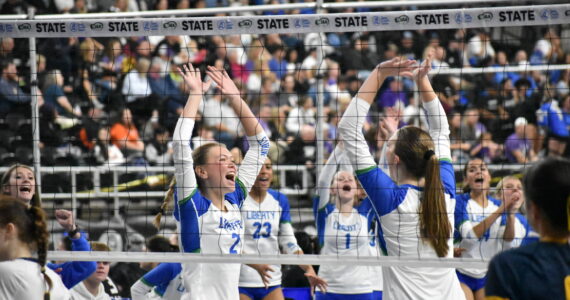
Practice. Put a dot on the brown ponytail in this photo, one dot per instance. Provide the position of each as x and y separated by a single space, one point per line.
32 229
415 147
434 221
167 199
41 236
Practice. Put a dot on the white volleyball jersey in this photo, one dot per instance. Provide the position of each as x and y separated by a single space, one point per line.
468 215
22 279
267 225
398 207
206 229
342 235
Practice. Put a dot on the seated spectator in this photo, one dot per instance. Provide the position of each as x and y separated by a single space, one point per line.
125 135
12 98
113 57
302 149
518 148
487 150
163 86
278 64
551 121
54 95
459 146
479 48
138 93
394 93
105 152
205 135
287 94
158 151
302 114
97 286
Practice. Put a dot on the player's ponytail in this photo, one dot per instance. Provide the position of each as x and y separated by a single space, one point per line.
41 237
434 220
415 147
165 202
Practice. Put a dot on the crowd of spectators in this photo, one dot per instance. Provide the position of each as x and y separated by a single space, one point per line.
116 100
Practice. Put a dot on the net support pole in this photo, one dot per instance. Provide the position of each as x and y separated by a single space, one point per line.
320 105
35 108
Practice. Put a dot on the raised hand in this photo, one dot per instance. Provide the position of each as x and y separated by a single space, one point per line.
224 82
65 219
424 68
397 67
193 79
389 124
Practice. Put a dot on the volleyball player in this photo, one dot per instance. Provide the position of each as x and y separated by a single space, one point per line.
511 186
19 181
485 225
164 280
211 189
267 219
342 230
416 202
539 270
23 231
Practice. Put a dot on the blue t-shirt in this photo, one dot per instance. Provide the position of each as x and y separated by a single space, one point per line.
536 271
50 96
551 118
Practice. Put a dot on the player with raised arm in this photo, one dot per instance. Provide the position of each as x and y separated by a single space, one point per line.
342 230
538 270
416 201
267 219
484 226
19 181
211 190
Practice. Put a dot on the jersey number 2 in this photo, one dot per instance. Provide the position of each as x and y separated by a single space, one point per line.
233 247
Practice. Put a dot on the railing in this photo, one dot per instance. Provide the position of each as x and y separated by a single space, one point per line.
115 193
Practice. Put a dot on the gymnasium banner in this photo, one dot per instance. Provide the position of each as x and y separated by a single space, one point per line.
353 22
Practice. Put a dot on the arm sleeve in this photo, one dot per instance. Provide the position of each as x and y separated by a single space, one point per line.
186 186
140 289
438 128
287 238
183 163
350 131
13 94
326 176
253 161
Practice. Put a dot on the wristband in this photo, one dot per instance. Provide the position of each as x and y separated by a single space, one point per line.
72 233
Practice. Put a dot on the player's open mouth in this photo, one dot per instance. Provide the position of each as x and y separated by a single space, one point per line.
346 188
263 179
479 180
25 189
231 176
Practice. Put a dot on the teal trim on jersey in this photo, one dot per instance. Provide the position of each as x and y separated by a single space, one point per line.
365 170
197 251
285 222
156 291
242 186
446 160
181 202
146 282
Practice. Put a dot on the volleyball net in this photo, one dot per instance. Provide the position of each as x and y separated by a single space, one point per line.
492 67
